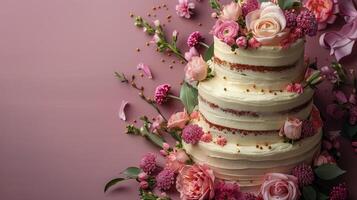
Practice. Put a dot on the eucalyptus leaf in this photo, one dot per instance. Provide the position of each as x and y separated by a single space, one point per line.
328 171
131 172
287 4
309 193
348 130
209 53
112 182
188 96
215 4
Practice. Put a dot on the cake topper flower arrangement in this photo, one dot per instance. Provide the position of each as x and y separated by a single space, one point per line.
247 24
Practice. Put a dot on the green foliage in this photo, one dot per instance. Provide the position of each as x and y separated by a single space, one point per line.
349 131
129 173
209 53
188 96
328 171
309 193
215 5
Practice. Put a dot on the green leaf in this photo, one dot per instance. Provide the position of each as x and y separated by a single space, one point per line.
131 172
329 171
261 1
112 182
188 96
322 196
209 53
214 4
309 193
157 140
350 131
121 77
287 4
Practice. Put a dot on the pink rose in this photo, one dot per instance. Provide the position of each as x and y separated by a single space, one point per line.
222 141
267 24
324 158
191 53
242 42
195 182
178 120
254 43
206 137
324 10
196 69
295 87
292 128
195 115
280 187
176 160
231 11
226 31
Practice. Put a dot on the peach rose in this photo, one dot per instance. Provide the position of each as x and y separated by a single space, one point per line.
324 158
196 69
176 160
231 11
178 120
195 182
280 187
324 10
267 24
292 128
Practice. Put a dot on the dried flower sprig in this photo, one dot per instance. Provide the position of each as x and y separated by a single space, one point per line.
159 37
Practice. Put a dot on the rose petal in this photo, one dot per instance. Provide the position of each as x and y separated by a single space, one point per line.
145 68
348 10
121 113
252 16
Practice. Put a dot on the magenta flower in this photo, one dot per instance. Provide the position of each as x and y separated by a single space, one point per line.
307 22
242 42
185 8
290 16
324 10
304 174
308 129
249 196
165 179
144 185
295 87
249 6
192 134
194 39
226 31
340 97
148 163
161 93
226 190
339 192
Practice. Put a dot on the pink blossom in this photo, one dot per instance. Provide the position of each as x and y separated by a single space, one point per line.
231 11
222 141
185 8
214 15
176 160
292 128
307 22
339 192
192 134
145 68
254 43
194 39
290 16
196 69
144 185
227 191
304 174
340 96
316 118
340 42
121 113
206 137
191 53
348 10
249 6
178 120
157 123
148 163
195 182
161 93
165 179
195 115
143 176
325 11
165 146
295 87
324 158
329 73
226 31
242 42
280 186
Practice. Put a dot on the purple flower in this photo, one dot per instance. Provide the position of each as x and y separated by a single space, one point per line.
148 163
306 20
184 8
249 6
226 31
225 190
290 16
304 174
165 179
192 134
161 93
339 192
353 115
340 97
308 129
191 53
194 39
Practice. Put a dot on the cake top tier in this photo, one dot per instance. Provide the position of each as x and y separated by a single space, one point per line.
251 24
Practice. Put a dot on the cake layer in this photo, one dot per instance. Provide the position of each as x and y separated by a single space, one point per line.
225 105
270 56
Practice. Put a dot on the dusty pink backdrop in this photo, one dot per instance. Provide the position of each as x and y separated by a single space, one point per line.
60 137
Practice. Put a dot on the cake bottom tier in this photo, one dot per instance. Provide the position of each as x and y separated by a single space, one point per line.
248 164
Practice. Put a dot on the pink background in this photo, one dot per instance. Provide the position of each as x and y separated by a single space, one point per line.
60 136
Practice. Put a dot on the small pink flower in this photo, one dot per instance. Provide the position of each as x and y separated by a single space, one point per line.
339 192
249 6
194 39
157 123
145 68
324 158
195 115
304 174
195 182
242 42
226 31
178 120
192 134
340 97
143 176
222 141
231 11
165 146
254 43
196 69
144 185
185 8
191 53
148 163
280 186
292 128
295 88
324 10
206 137
228 191
161 93
176 160
165 179
214 15
163 152
307 22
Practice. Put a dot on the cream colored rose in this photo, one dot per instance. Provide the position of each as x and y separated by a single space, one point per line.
267 24
231 11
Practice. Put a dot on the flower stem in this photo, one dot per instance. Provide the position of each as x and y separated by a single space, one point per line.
174 97
204 44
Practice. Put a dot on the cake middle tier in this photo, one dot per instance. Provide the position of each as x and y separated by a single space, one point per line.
227 106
